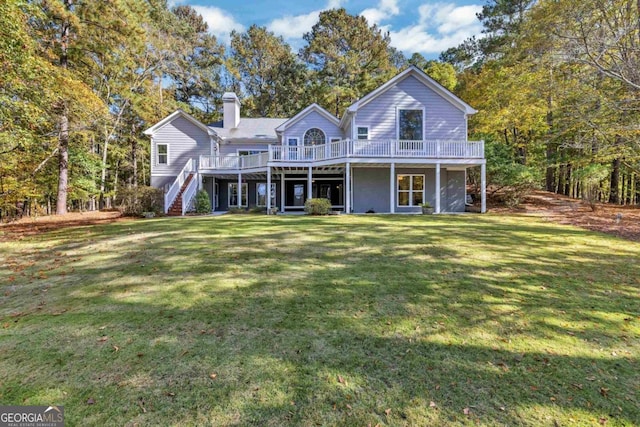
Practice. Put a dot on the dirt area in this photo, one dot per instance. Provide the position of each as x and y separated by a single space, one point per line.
622 221
30 226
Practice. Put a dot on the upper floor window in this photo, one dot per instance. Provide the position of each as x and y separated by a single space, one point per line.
314 136
163 154
363 132
410 125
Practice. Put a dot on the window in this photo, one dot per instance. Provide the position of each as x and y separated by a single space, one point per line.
335 139
410 126
261 194
163 154
250 152
233 194
410 190
314 136
292 142
363 132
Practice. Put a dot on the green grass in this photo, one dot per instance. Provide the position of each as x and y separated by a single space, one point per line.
349 320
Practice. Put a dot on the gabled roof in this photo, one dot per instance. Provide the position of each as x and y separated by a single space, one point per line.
249 128
313 107
171 117
424 79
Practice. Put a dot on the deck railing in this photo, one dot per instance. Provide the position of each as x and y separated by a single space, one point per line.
348 148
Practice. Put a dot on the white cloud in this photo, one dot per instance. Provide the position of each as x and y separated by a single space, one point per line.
294 27
440 26
220 22
385 10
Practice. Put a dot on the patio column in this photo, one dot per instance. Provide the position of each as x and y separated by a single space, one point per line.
392 192
214 194
239 190
309 183
437 187
347 188
268 190
483 187
282 191
199 181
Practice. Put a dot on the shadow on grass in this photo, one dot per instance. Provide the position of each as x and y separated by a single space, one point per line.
312 320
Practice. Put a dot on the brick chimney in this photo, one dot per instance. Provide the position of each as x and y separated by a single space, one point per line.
231 113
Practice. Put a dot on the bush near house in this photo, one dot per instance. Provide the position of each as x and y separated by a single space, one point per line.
317 206
202 202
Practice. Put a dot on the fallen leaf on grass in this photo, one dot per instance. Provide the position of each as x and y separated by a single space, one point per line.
387 411
90 401
604 391
141 404
213 375
116 348
466 411
432 404
103 339
341 380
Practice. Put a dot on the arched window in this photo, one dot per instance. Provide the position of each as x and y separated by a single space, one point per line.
314 136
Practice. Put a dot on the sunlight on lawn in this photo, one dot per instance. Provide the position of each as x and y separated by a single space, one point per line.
350 320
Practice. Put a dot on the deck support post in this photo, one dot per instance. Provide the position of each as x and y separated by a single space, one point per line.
309 183
239 190
392 190
268 190
438 190
214 194
347 188
483 187
282 191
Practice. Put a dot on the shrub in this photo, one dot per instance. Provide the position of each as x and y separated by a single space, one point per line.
132 201
202 203
317 206
237 210
507 175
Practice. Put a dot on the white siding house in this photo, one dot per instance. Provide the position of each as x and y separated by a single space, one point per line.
402 145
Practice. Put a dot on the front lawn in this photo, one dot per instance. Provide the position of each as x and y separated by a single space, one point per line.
349 320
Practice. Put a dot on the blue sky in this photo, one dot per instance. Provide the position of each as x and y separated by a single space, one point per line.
423 26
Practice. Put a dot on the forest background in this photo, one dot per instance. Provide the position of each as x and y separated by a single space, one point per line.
556 83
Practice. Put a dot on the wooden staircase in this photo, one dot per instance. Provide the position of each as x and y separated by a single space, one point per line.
176 207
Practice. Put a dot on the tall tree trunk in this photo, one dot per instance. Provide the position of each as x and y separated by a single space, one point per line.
63 137
614 193
63 164
134 155
567 182
550 177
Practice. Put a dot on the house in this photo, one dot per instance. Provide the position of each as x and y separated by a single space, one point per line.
403 144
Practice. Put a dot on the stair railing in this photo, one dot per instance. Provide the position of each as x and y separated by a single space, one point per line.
170 196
